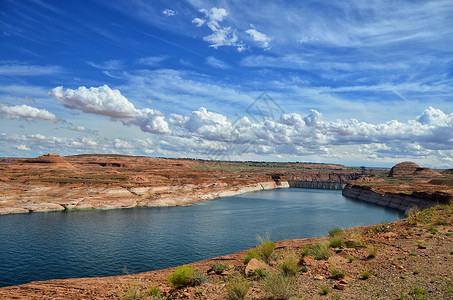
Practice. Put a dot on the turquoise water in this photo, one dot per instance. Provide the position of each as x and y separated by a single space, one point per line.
42 246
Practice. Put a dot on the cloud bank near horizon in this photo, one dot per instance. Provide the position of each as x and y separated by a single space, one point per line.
208 134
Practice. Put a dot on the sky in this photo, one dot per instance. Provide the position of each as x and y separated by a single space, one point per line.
351 82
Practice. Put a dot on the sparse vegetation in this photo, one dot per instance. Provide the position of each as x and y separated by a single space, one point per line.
250 256
219 268
336 273
261 273
237 287
372 251
265 249
320 251
130 290
155 293
365 275
277 285
325 290
184 276
290 265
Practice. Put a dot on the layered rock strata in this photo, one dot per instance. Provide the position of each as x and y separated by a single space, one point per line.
399 201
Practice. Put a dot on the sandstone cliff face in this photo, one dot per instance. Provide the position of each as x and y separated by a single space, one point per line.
398 201
40 199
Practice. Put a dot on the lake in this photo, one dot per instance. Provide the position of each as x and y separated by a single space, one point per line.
91 243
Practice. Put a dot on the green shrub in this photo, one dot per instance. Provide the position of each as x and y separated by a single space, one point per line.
250 255
337 273
325 290
365 275
261 273
185 276
417 291
320 251
219 268
350 259
237 288
336 242
304 269
335 231
278 285
306 250
265 249
290 265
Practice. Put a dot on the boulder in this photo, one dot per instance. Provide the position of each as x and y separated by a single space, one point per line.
255 264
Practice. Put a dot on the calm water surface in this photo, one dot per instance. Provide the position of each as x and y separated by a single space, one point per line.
41 246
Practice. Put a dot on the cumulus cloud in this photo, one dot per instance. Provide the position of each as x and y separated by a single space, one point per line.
26 112
293 134
110 103
221 35
259 37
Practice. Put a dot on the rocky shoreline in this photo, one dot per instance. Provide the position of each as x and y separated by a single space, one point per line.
400 201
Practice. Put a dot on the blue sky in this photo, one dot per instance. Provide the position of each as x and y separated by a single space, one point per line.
352 82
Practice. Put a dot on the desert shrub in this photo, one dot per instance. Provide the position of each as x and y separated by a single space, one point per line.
304 269
290 265
336 241
320 251
250 255
365 275
372 251
335 231
412 214
199 278
337 273
155 293
220 268
277 285
130 290
325 290
186 276
350 259
336 237
265 249
261 273
417 291
237 288
306 250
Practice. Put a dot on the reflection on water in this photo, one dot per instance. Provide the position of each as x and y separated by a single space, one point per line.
41 246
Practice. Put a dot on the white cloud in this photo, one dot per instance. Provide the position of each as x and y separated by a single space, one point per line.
198 22
23 147
169 12
216 63
260 37
221 35
152 60
108 65
110 103
14 68
26 112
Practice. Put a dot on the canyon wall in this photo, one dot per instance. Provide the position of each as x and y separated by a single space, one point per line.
398 201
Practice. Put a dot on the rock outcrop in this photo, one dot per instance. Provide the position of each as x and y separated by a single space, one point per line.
51 161
408 169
